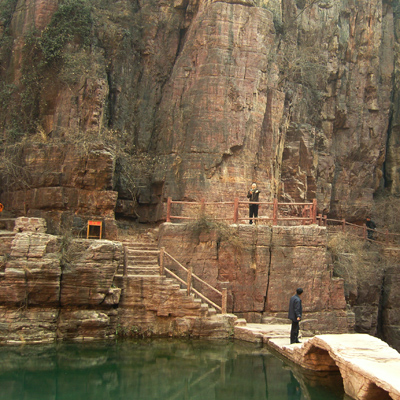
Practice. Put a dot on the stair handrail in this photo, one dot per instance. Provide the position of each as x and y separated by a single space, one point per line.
188 283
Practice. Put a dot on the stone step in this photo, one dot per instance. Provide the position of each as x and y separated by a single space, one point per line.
140 246
144 258
212 311
143 271
148 252
143 266
175 286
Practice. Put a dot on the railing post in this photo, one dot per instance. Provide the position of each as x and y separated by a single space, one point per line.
169 202
314 211
162 260
275 213
189 280
325 220
236 210
343 225
224 300
202 206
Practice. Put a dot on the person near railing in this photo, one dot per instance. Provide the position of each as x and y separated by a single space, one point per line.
253 196
371 227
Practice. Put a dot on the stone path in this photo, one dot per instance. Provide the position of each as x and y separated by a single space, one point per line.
370 368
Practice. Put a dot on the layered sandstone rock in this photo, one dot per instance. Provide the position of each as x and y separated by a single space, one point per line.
210 125
295 96
55 287
67 185
153 306
265 272
390 320
50 290
292 95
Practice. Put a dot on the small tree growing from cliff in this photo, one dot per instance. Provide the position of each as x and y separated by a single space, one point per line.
223 232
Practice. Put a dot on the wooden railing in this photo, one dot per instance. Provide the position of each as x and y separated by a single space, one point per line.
188 283
299 212
361 231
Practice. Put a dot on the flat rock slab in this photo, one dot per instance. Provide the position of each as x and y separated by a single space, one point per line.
262 333
370 368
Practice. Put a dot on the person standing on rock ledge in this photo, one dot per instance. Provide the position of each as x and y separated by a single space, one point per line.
295 313
371 227
252 195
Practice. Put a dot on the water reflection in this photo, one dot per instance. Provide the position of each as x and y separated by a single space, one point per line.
157 369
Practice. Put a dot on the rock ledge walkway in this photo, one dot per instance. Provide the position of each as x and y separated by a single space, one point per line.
370 368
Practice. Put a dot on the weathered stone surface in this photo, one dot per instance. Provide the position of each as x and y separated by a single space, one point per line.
37 225
52 290
369 367
65 184
151 306
49 292
218 87
89 272
28 325
244 91
32 273
265 272
87 324
390 313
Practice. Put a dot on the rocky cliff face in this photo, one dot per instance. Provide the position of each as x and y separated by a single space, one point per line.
299 96
59 288
112 107
263 274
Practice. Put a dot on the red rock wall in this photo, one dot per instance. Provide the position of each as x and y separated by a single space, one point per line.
52 288
49 291
67 185
296 98
264 273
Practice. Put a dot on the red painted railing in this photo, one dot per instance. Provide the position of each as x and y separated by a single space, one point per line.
373 235
304 213
236 211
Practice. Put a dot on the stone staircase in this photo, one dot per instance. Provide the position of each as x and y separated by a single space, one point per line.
142 258
142 263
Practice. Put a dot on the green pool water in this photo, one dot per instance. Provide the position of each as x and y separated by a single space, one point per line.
157 369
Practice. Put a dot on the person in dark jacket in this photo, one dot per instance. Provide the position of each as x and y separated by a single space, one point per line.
295 314
371 226
253 195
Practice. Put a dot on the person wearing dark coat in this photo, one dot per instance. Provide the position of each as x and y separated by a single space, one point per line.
371 226
253 195
295 314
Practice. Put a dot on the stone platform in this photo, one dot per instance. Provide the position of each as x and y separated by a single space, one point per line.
370 368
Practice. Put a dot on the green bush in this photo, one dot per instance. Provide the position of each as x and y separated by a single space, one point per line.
72 22
7 8
223 231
